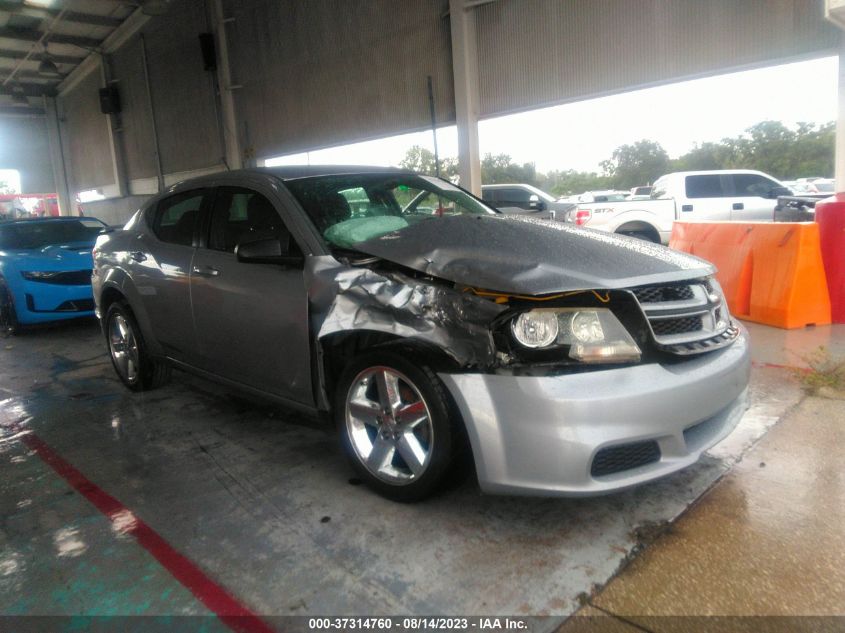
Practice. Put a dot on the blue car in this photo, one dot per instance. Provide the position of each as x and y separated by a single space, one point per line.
45 270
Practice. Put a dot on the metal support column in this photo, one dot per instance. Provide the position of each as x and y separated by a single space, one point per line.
234 152
839 152
465 71
151 105
115 129
57 157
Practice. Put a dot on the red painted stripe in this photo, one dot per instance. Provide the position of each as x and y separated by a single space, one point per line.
221 602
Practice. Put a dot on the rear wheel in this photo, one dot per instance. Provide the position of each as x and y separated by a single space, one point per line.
396 425
8 316
133 364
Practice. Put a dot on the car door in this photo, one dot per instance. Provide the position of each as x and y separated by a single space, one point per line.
251 319
706 198
160 265
752 197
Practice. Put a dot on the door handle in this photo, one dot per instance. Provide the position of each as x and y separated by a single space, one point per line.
686 207
205 271
138 256
738 206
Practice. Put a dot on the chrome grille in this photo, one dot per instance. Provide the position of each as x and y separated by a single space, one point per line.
686 318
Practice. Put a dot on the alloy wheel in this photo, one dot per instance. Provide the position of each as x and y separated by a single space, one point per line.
389 425
123 346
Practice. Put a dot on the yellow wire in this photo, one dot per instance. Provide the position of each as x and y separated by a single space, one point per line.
499 297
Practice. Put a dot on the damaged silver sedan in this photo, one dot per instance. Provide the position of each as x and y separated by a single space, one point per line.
427 325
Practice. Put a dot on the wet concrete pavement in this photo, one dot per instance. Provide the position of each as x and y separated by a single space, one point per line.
767 540
261 502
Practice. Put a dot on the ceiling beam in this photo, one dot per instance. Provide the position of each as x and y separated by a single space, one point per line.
30 90
118 37
59 59
69 16
54 38
21 111
30 74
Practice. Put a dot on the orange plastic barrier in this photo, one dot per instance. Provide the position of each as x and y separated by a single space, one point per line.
771 273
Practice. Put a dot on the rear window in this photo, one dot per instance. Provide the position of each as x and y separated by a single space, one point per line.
704 186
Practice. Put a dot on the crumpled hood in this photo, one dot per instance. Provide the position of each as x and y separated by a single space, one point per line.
519 255
71 256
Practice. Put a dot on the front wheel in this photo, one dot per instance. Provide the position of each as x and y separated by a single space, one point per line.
396 425
8 315
134 366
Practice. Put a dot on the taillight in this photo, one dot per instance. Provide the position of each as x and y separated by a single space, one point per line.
582 216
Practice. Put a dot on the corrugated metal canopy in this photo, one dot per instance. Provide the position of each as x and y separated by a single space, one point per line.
71 30
544 52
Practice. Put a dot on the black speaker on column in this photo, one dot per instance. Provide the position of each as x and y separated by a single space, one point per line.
209 54
109 100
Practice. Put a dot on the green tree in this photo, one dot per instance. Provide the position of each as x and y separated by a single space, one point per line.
813 152
501 169
569 182
768 146
636 164
420 159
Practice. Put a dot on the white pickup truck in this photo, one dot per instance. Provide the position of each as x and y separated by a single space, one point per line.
735 194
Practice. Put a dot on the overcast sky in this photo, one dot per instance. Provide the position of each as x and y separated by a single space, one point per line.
580 135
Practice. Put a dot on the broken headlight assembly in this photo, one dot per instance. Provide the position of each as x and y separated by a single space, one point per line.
593 335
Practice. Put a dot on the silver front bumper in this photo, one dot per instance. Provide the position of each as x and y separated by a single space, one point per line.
539 435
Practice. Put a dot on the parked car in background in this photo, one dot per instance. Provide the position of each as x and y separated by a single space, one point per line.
609 195
643 192
555 355
817 188
521 199
45 270
738 194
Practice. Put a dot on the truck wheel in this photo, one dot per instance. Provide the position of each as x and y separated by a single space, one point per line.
134 366
642 234
396 425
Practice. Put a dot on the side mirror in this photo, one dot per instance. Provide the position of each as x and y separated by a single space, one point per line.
776 192
266 251
534 202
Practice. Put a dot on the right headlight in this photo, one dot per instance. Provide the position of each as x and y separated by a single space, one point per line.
594 335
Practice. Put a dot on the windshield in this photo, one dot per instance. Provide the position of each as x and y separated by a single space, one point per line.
353 208
35 234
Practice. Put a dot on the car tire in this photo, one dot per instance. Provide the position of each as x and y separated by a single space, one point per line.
134 366
403 451
8 315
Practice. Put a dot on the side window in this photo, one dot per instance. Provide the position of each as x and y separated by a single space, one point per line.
243 215
658 191
177 216
514 198
490 195
753 185
704 186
